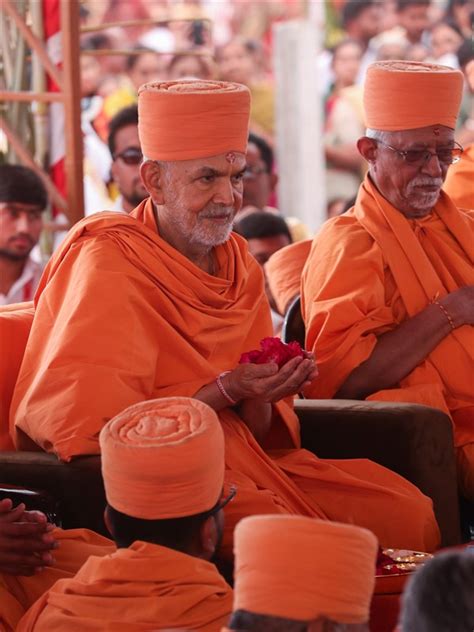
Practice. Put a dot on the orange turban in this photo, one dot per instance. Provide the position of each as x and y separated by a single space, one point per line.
401 95
283 271
182 120
163 458
302 568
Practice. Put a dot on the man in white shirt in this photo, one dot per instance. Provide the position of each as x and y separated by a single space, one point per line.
23 199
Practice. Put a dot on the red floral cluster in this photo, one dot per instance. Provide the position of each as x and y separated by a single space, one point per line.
272 350
385 565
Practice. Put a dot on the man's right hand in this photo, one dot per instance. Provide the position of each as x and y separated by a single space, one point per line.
25 540
460 305
268 383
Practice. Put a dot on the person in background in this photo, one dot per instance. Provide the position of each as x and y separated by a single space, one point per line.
259 179
413 20
295 574
166 520
439 597
145 65
23 200
462 13
240 61
266 233
127 157
445 39
195 66
361 19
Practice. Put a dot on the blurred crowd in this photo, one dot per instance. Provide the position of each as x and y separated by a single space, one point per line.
232 41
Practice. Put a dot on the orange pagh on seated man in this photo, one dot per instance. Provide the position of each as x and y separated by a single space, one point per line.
388 289
163 470
163 301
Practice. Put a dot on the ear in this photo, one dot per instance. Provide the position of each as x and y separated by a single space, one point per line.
152 175
108 522
273 181
367 148
208 536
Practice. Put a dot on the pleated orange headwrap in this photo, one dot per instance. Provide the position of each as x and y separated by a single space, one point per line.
283 271
163 458
302 568
182 120
401 95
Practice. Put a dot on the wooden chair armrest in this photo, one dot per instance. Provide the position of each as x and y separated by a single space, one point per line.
413 440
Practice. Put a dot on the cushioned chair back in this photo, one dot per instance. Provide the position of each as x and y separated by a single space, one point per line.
15 325
293 325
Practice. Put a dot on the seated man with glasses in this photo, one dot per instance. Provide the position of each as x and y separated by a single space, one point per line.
127 157
167 521
388 289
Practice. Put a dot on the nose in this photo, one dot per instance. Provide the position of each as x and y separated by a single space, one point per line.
224 193
433 166
22 223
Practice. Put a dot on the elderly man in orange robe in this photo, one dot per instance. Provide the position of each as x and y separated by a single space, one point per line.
295 574
164 301
388 289
166 519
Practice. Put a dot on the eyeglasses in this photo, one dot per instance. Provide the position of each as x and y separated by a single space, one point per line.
223 502
130 156
445 155
253 172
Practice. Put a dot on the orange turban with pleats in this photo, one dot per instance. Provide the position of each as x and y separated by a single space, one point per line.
283 271
401 95
163 458
302 568
182 120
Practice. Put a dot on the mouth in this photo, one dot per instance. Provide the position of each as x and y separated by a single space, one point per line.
21 242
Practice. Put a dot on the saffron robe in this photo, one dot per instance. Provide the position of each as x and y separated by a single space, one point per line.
121 317
459 183
18 593
371 269
142 587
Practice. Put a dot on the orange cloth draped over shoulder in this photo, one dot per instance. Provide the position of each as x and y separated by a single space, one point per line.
15 323
401 95
122 317
18 593
284 269
459 183
302 569
182 120
371 269
142 587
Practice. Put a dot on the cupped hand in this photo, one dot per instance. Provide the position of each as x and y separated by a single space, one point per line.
25 540
267 383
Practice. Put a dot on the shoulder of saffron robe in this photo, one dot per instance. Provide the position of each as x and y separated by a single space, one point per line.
343 300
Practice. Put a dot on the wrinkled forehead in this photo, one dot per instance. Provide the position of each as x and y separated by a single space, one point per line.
228 162
433 134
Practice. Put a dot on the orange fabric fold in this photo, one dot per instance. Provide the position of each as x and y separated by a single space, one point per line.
459 183
91 353
15 323
18 594
182 120
143 587
283 271
303 569
372 269
402 95
143 450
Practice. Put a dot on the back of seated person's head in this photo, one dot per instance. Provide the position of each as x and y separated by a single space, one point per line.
287 575
22 185
261 224
150 496
440 596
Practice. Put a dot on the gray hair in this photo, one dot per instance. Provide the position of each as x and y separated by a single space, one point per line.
440 596
376 134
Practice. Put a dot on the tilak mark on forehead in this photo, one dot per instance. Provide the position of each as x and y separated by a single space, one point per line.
230 157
